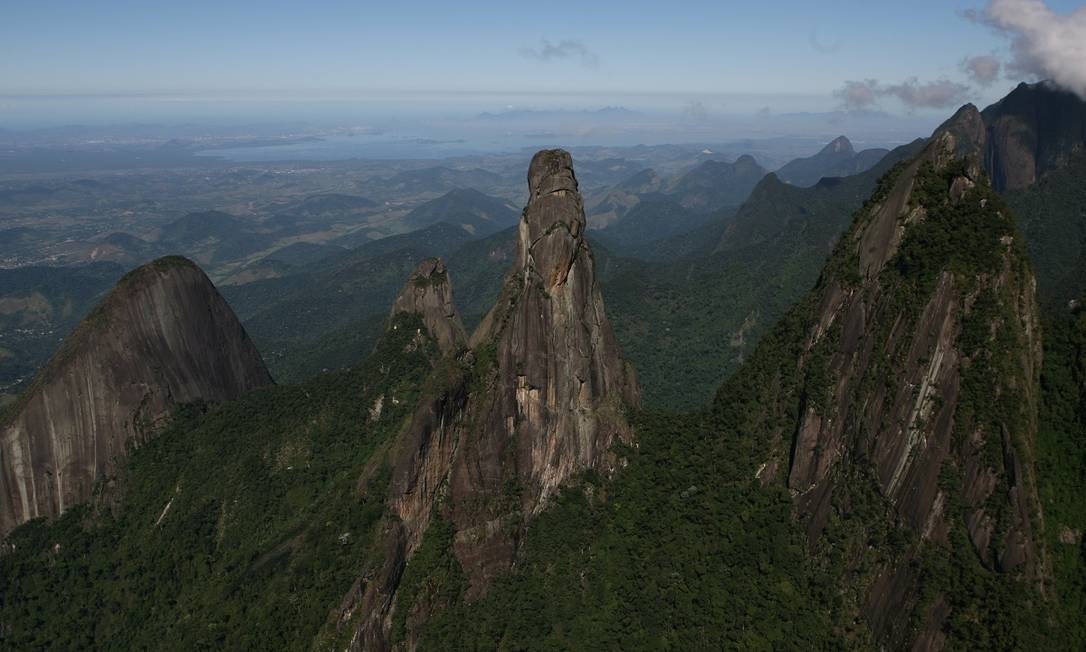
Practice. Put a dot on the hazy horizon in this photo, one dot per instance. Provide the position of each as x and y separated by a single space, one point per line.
708 68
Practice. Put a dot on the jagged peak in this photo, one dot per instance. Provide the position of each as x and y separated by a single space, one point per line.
961 138
1042 86
896 402
1029 99
964 134
428 293
538 400
551 170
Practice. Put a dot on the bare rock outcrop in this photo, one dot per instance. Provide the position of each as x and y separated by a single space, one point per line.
428 293
539 399
163 337
919 381
1033 130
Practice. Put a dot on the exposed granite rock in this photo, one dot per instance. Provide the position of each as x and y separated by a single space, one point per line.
1036 128
429 293
883 402
163 337
539 399
556 395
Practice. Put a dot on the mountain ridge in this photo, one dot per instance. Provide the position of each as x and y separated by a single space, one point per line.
836 159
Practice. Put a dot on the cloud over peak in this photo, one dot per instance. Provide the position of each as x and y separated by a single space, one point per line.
1044 44
564 49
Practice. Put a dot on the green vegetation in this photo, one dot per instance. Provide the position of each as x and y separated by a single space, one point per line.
689 323
237 528
1052 215
432 579
342 348
243 526
975 240
687 549
684 550
656 216
330 316
39 306
686 321
1061 470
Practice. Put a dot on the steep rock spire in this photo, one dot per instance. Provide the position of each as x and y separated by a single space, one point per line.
428 293
539 399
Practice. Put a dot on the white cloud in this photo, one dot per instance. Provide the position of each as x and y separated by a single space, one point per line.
932 95
856 95
983 70
912 93
1044 44
564 49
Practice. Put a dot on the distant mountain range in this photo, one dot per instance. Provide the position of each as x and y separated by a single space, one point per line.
678 204
712 187
619 112
476 213
837 159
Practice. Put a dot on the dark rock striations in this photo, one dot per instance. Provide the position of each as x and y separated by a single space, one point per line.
539 399
559 383
163 337
1035 129
918 383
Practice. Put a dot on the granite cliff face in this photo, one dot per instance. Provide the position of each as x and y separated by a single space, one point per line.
558 385
1035 129
917 383
538 399
163 337
428 293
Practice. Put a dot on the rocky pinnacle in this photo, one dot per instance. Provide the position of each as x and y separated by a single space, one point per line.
428 293
539 399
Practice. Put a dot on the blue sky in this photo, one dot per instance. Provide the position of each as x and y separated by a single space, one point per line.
698 51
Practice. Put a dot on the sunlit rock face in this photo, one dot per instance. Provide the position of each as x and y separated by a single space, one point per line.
162 338
540 398
555 403
428 293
